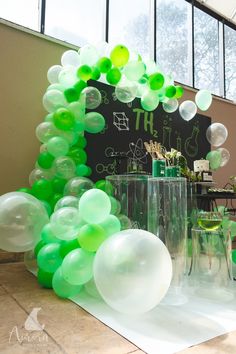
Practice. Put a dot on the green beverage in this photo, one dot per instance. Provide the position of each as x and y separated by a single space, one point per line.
209 224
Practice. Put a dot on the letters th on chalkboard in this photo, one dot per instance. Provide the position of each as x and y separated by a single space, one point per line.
128 126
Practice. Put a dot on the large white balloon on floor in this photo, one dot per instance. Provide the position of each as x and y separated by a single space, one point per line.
132 271
216 134
22 218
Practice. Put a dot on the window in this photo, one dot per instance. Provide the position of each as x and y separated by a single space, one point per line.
206 52
129 23
75 21
230 63
22 12
173 46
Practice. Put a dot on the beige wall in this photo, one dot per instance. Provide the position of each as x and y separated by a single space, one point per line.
24 62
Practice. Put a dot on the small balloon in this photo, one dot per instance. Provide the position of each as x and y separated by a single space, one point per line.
53 99
44 279
216 134
70 57
67 77
94 122
38 174
84 72
93 97
203 100
170 106
30 261
88 55
65 223
42 189
134 70
111 225
53 73
119 55
113 76
187 110
94 206
225 156
77 186
49 258
63 119
22 218
45 131
126 91
57 146
149 100
64 167
67 201
48 236
214 157
62 288
156 81
91 237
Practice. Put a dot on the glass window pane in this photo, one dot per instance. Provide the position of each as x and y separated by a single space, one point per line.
230 63
129 24
75 21
206 52
174 39
24 12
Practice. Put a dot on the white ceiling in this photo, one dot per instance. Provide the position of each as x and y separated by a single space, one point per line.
226 8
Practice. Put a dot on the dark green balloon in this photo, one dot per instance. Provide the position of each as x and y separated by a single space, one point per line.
104 65
71 94
156 81
113 76
95 73
45 279
38 247
79 86
63 119
78 155
105 186
82 142
179 91
45 160
170 91
58 184
42 189
84 72
67 246
82 170
54 199
24 190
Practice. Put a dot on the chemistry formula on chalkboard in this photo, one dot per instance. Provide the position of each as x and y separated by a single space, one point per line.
128 126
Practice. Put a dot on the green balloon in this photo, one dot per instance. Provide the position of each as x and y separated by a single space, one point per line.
49 258
111 225
63 119
105 186
38 247
214 157
42 189
45 160
71 94
179 91
113 76
149 101
48 236
58 184
119 55
156 81
115 206
57 146
77 267
62 288
91 236
94 206
170 91
104 65
24 190
134 70
234 256
79 86
82 142
45 279
78 155
68 246
203 100
54 199
84 72
82 170
95 73
94 122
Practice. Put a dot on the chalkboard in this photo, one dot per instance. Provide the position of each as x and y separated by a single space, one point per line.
128 126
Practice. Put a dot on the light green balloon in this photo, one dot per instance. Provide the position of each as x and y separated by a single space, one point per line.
94 122
214 157
124 221
203 100
57 146
94 206
134 70
62 288
91 236
48 236
149 101
119 55
77 267
111 225
49 258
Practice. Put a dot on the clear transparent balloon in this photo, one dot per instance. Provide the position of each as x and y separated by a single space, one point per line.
216 134
77 186
187 110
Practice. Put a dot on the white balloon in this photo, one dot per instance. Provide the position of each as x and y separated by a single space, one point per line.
53 73
53 99
225 156
70 57
187 110
132 271
67 77
216 134
170 106
88 55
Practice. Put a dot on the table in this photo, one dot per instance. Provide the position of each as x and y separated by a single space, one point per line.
208 201
68 328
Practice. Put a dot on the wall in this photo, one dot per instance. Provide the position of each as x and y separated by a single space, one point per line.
24 62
